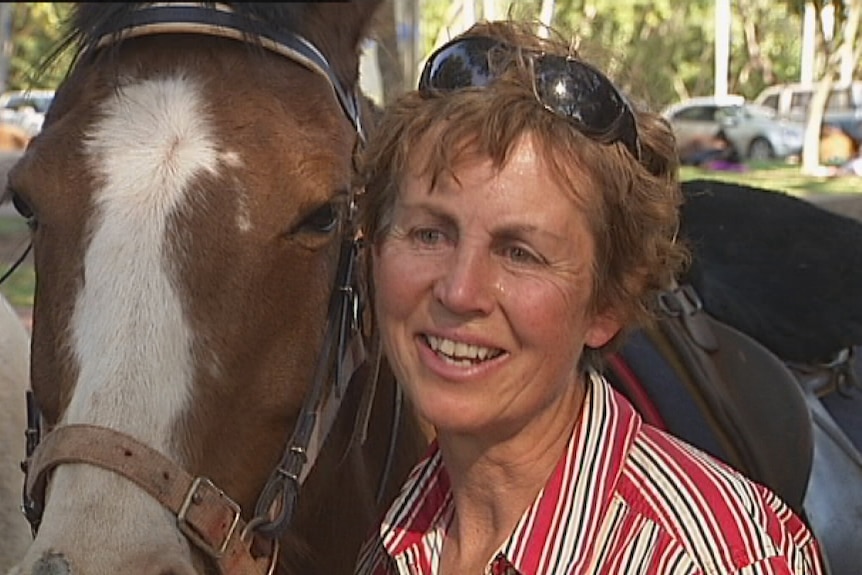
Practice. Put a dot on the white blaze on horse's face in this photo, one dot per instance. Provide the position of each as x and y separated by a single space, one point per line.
151 142
130 338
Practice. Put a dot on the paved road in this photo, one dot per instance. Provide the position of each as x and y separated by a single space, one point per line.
849 205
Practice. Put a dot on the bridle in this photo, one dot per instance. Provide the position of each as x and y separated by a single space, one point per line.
210 520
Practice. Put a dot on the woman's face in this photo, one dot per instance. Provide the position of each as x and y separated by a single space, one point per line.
483 288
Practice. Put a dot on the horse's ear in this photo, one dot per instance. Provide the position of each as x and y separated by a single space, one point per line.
366 13
338 29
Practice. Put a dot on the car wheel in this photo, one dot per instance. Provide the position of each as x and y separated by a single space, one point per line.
761 149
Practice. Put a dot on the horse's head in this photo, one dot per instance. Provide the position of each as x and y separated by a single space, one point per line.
189 193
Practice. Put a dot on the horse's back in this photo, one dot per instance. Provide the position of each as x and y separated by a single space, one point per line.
14 377
781 269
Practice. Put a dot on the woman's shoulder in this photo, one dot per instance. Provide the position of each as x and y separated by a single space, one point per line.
719 518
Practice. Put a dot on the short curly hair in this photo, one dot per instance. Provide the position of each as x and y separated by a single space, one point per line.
631 205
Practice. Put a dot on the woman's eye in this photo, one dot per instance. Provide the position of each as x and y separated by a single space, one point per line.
520 255
428 236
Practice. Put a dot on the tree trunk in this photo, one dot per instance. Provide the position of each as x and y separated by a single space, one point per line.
389 54
546 16
811 148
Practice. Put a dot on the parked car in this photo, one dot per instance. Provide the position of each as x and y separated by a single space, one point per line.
755 131
25 108
843 105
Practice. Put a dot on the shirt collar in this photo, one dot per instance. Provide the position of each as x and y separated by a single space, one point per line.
554 533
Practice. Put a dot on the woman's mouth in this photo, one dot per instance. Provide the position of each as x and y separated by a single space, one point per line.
460 353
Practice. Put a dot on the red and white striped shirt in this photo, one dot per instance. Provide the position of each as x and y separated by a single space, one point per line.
625 498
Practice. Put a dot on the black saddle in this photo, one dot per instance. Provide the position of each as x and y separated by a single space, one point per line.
740 402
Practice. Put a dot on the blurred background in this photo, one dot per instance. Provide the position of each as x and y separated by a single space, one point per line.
804 54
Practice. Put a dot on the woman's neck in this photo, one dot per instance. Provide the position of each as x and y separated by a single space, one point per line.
495 480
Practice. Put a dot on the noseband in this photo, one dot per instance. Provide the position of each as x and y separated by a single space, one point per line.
205 514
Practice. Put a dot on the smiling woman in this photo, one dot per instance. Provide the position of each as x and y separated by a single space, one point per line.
522 217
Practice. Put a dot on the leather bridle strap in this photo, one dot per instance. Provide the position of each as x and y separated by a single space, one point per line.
220 20
342 344
208 517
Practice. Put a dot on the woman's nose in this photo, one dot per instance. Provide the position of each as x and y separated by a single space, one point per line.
466 284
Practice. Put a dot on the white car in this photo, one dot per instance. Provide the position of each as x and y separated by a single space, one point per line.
755 131
843 105
25 108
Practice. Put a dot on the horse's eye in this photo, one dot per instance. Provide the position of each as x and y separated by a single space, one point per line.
322 220
22 207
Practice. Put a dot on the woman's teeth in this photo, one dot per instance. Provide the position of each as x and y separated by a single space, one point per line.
459 353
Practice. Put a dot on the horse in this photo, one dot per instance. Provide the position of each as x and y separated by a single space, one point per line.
14 381
208 386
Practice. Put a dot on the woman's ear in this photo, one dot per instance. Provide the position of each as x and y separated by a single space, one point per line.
603 328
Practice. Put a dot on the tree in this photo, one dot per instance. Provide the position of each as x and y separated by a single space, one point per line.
36 30
663 50
841 46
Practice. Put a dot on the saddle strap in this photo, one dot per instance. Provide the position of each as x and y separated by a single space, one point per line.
205 514
753 396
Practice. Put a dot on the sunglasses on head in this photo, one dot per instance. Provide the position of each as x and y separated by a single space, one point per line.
567 87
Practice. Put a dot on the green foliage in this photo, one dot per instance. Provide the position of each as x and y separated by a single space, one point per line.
37 28
781 177
435 19
14 237
662 51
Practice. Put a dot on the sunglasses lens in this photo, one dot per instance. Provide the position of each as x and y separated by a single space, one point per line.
581 93
460 64
577 92
569 88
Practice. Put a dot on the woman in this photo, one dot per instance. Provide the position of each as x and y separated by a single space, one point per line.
522 216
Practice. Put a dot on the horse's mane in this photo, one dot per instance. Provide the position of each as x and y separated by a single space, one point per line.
335 28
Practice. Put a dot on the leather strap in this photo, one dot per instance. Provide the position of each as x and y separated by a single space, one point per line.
220 20
205 514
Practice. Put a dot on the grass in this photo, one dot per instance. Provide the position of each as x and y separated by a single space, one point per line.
18 287
781 177
774 176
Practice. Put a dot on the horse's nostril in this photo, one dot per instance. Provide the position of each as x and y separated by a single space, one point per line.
51 564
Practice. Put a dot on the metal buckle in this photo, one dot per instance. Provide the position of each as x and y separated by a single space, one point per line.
193 498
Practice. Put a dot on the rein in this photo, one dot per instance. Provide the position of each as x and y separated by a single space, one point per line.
210 519
5 276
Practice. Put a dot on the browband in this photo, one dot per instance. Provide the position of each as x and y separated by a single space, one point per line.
220 20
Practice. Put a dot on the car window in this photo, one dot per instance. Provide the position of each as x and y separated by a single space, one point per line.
759 111
839 100
696 114
38 103
770 101
730 112
799 101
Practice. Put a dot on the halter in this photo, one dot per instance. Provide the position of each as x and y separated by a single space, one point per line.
205 514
